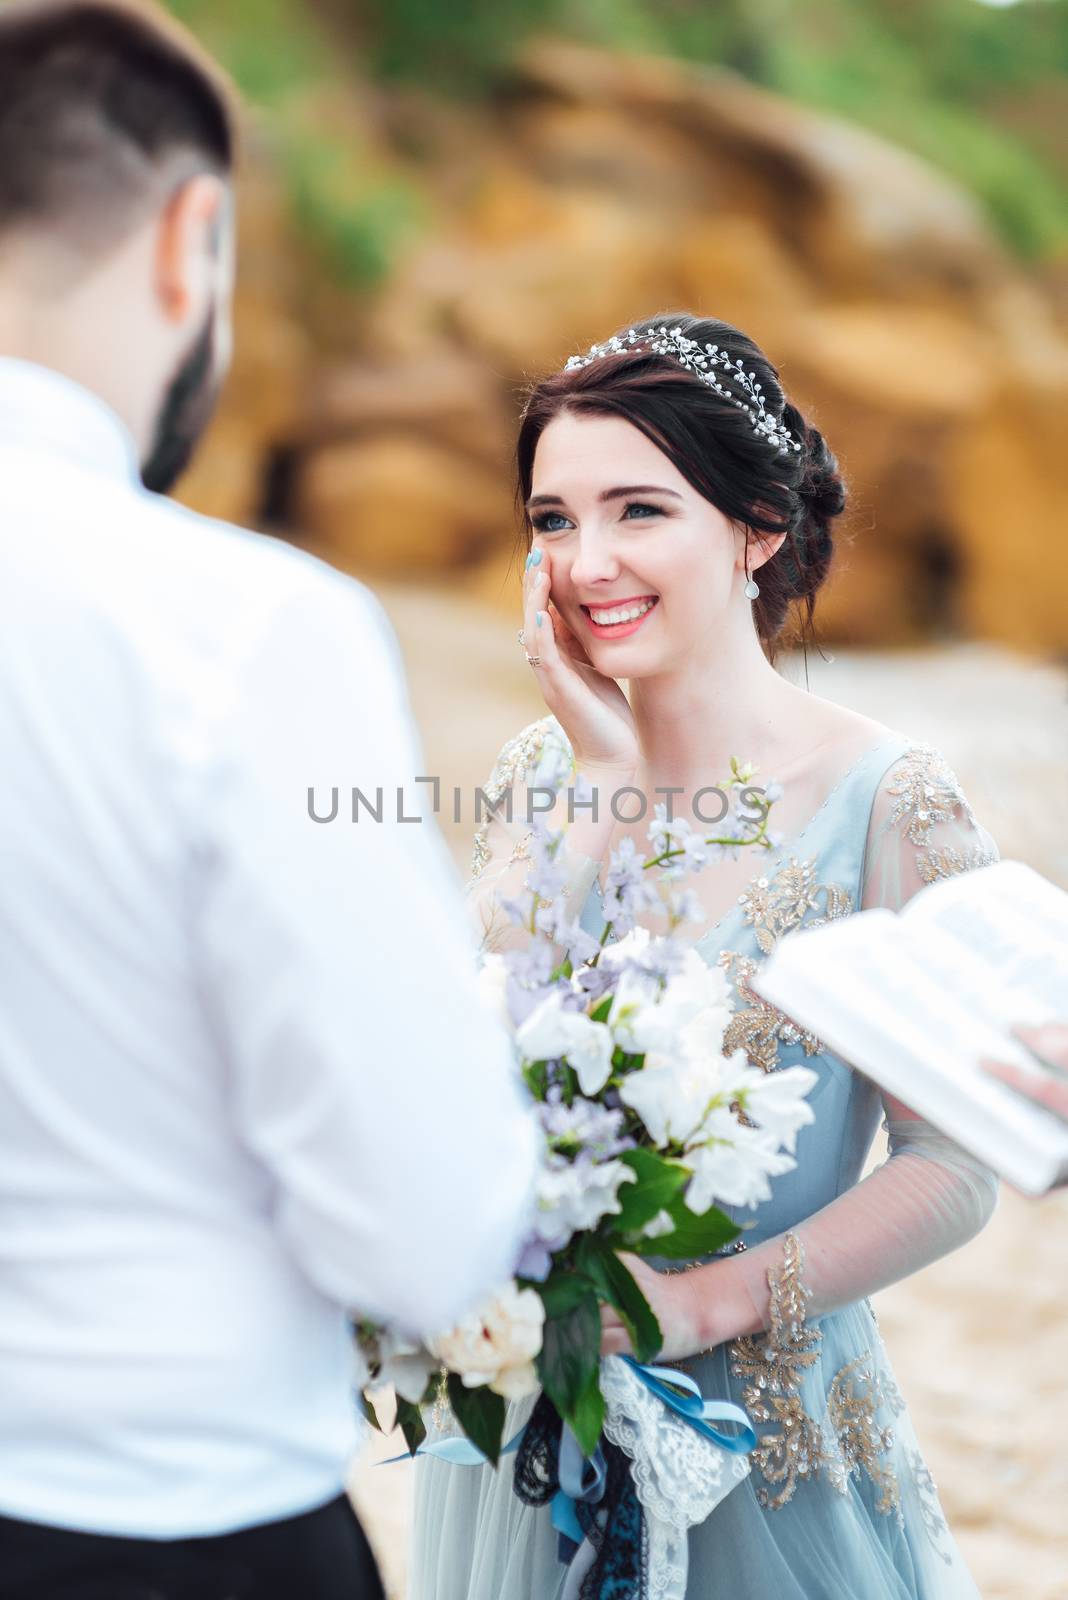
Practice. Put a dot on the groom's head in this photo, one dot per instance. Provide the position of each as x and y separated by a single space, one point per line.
116 213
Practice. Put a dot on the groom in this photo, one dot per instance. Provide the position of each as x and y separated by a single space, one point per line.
246 1084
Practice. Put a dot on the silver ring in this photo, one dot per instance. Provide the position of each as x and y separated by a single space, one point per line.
521 639
534 661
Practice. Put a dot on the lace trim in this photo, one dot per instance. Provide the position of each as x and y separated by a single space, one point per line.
933 1521
679 1476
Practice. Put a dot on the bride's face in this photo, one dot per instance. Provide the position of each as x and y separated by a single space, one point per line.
622 529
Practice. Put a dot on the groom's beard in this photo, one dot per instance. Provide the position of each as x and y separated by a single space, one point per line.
185 412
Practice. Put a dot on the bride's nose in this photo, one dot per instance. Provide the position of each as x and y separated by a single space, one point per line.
595 561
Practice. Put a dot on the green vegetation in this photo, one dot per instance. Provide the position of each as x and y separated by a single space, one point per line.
351 206
934 76
927 74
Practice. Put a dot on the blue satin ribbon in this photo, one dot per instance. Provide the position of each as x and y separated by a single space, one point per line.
665 1382
457 1452
582 1478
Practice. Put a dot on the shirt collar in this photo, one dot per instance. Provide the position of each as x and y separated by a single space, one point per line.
42 407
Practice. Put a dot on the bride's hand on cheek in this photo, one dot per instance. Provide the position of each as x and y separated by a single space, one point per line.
567 641
590 707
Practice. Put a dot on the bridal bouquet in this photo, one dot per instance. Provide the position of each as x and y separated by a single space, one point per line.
646 1125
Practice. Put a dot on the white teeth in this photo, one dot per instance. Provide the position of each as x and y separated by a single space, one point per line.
604 618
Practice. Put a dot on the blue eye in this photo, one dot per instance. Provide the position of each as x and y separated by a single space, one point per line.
640 505
543 523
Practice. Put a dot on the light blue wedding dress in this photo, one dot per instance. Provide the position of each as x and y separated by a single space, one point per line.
839 1504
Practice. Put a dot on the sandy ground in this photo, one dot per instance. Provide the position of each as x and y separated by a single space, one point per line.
979 1341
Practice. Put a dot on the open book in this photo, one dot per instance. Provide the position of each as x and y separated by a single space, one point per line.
914 999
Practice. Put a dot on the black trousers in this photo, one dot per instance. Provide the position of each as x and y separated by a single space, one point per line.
319 1555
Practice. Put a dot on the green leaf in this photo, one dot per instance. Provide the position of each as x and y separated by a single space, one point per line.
618 1287
693 1236
658 1183
571 1354
601 1010
368 1410
587 1416
410 1422
562 1292
480 1414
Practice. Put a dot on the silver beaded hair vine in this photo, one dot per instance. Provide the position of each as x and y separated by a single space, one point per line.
700 360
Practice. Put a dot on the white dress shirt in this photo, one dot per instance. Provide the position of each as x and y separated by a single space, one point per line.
245 1080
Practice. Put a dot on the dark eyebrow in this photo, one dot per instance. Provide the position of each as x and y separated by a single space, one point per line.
607 494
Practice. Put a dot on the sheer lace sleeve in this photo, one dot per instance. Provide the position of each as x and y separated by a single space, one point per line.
539 756
930 1196
922 828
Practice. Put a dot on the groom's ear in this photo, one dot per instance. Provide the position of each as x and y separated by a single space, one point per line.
193 248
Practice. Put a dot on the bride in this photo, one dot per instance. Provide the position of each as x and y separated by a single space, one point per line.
680 512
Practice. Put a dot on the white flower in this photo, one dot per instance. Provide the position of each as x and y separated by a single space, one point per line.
696 987
492 982
732 1164
644 1019
657 1226
775 1101
589 1051
405 1365
496 1344
632 945
633 1018
673 1095
702 1038
515 1383
550 1033
573 1196
541 1035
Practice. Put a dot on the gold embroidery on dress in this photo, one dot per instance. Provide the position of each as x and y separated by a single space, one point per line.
853 1400
796 1447
755 1026
519 850
927 792
521 753
773 1366
947 861
775 906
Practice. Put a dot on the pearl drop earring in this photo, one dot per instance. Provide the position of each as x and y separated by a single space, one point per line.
752 588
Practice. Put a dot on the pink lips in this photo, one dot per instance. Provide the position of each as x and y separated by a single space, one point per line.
620 630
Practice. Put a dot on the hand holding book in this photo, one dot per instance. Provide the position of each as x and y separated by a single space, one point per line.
917 1001
1050 1045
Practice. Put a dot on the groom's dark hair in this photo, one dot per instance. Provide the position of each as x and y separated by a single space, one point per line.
96 99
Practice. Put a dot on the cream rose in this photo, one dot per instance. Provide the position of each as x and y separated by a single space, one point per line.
496 1344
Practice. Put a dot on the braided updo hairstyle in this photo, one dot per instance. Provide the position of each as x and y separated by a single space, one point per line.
714 446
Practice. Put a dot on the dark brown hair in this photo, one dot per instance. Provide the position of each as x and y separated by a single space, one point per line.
714 446
95 95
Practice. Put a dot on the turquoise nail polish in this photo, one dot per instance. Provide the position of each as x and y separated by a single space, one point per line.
530 558
535 556
538 616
